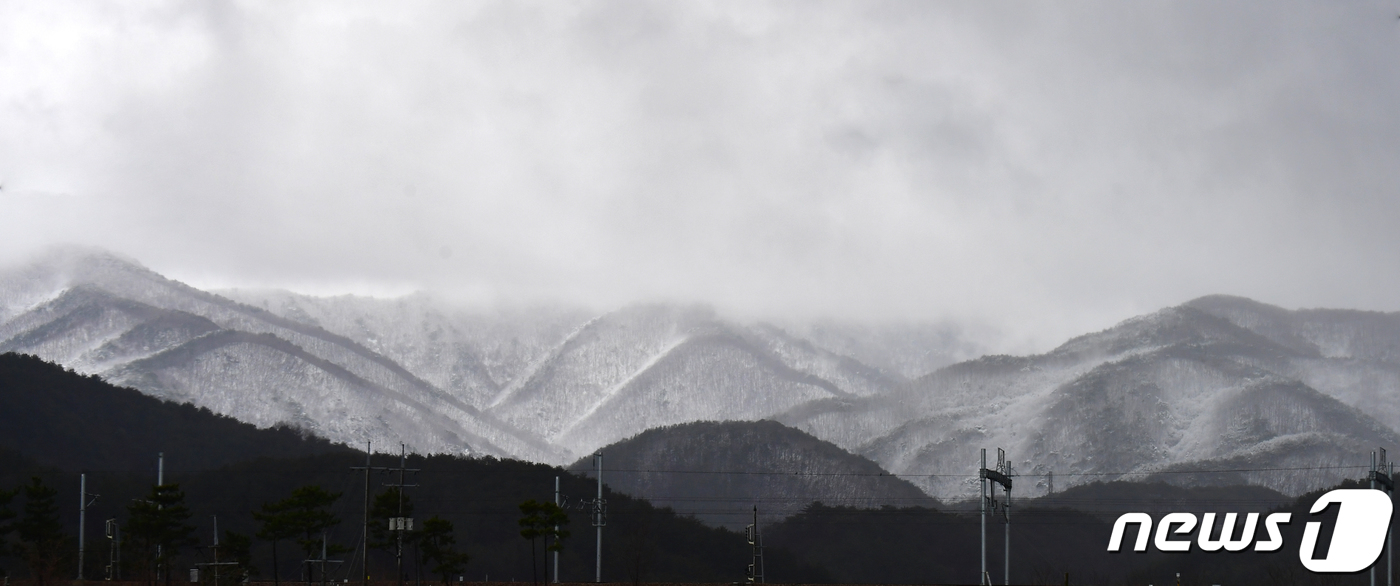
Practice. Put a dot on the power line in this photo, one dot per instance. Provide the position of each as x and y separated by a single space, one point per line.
893 475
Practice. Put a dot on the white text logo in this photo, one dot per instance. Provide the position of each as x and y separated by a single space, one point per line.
1357 539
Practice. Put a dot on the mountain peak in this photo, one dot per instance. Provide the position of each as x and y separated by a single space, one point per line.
717 469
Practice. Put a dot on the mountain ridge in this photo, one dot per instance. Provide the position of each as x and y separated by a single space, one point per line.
1213 379
715 470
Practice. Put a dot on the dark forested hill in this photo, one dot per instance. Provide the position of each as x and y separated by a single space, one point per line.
59 418
1051 545
54 423
719 471
480 497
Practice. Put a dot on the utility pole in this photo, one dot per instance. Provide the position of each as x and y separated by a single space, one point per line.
83 504
556 531
82 521
160 481
215 549
1004 467
364 537
600 512
322 561
400 524
323 558
1383 477
982 498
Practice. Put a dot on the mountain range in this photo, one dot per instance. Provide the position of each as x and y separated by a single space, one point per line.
55 423
1219 390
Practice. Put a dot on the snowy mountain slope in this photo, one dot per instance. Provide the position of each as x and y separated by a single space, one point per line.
1215 380
87 328
512 379
277 382
708 377
472 355
1331 333
1353 356
583 383
106 314
847 373
906 350
1176 388
594 363
650 365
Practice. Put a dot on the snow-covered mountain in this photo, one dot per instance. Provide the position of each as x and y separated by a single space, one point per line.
1206 385
101 314
546 384
1217 383
582 382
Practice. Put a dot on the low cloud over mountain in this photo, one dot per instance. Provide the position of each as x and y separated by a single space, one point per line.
1251 392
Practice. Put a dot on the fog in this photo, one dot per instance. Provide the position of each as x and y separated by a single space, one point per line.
1039 169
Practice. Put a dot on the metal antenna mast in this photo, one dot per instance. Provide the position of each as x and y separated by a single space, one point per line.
83 504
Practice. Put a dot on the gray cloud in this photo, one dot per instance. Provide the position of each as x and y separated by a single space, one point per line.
1043 168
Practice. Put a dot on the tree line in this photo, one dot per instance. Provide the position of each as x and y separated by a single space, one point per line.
157 531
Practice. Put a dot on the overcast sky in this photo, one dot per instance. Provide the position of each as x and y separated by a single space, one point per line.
1045 168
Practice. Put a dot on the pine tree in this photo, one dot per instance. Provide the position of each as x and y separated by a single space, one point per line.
275 527
239 548
439 549
7 526
539 520
308 516
40 533
158 528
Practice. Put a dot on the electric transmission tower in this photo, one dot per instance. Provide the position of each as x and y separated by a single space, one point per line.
755 571
1001 475
114 557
